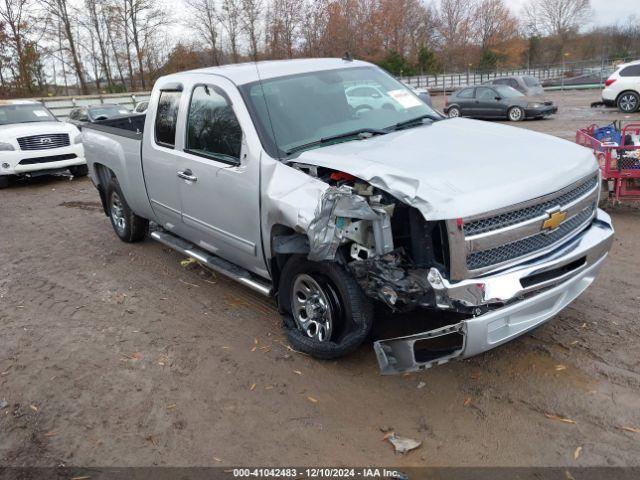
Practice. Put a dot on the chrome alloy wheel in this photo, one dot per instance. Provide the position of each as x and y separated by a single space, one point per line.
515 114
628 103
311 308
117 212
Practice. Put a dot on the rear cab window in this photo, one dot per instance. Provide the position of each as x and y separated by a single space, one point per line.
167 118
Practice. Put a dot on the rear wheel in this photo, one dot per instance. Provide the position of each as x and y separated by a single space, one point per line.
515 114
326 313
454 112
128 226
628 102
79 170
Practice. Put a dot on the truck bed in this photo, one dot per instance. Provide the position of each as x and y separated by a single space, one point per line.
131 126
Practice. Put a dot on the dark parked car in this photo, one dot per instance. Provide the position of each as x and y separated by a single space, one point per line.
496 102
94 113
525 84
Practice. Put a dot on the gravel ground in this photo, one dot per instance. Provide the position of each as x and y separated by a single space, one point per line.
116 355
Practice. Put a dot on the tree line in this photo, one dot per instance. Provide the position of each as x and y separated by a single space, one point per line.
54 47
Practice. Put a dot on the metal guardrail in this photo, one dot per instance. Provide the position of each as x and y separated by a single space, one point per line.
62 106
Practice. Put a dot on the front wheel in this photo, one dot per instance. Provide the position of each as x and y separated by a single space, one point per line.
128 226
327 315
515 114
4 181
628 102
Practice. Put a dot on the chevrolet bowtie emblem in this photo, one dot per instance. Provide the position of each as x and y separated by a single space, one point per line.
554 220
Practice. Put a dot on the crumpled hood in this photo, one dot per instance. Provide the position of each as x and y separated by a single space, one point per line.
17 130
459 168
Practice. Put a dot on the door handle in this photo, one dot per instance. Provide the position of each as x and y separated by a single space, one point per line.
188 175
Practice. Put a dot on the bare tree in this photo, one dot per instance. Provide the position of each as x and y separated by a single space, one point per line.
61 12
556 17
15 16
494 23
455 26
96 17
205 22
229 17
251 13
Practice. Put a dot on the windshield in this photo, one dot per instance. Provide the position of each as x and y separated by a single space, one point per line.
531 82
25 114
299 110
508 92
107 111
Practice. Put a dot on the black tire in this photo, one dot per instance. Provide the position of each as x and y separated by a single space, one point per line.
79 170
4 181
628 102
352 310
453 112
128 226
515 114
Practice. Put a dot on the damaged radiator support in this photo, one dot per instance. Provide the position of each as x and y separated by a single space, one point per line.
337 210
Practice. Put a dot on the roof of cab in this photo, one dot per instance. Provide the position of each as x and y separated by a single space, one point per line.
243 73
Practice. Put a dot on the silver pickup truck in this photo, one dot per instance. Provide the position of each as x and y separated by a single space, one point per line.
291 179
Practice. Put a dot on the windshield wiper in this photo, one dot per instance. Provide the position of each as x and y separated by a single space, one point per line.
411 121
361 134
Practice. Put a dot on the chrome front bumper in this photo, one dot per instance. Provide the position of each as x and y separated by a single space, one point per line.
532 294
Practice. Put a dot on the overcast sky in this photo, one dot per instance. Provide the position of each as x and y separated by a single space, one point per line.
604 11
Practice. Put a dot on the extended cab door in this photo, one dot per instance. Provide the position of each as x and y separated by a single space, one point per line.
218 172
159 159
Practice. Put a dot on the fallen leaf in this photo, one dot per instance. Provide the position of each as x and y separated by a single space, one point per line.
577 453
312 400
151 440
467 401
81 478
297 372
33 407
254 349
403 445
584 325
188 261
269 387
560 419
560 368
568 475
475 376
387 436
217 459
255 340
630 429
253 387
575 342
422 385
50 434
172 406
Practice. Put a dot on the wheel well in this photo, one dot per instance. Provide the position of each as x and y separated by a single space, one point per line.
278 260
626 91
103 175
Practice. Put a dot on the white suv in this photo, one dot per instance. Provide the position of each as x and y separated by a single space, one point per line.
33 142
622 89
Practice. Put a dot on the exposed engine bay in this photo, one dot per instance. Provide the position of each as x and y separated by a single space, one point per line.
395 255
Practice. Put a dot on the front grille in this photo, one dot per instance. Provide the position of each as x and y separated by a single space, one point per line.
51 158
514 217
526 246
44 142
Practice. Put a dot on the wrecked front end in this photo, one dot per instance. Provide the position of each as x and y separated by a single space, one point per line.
499 274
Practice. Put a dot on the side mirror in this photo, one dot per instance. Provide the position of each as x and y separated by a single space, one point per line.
498 98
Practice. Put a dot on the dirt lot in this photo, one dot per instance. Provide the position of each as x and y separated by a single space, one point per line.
115 354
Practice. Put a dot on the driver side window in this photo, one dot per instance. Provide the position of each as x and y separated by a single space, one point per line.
213 131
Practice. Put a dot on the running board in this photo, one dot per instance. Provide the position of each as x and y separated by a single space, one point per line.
214 262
